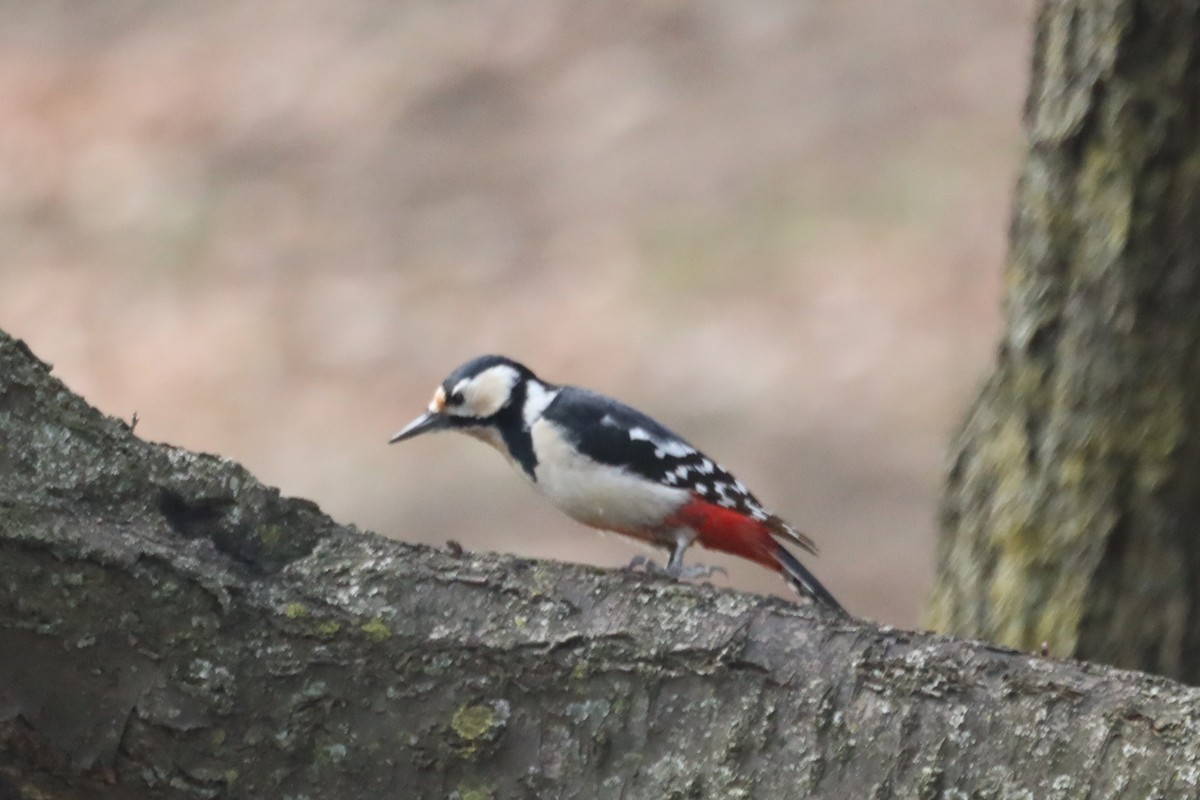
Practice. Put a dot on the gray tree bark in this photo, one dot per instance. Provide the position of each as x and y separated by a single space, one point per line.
171 628
1072 512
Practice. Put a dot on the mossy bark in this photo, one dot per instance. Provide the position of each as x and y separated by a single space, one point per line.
1072 513
171 628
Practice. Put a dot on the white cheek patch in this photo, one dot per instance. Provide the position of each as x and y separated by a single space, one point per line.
487 392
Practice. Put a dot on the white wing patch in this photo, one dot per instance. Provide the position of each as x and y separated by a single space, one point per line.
663 447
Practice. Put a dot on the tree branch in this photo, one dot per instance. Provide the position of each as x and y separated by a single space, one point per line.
169 626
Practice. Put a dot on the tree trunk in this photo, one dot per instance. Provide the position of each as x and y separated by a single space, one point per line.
1072 514
171 628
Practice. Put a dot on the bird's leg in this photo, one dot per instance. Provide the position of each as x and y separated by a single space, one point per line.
675 563
675 568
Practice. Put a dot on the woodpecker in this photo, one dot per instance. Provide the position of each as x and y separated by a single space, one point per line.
611 467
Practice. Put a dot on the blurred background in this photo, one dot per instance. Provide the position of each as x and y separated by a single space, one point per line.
272 228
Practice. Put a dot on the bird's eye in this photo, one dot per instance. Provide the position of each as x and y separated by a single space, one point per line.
455 399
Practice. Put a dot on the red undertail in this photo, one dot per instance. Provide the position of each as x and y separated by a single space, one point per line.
726 530
720 528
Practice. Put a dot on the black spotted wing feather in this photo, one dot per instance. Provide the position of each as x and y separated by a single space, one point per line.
621 436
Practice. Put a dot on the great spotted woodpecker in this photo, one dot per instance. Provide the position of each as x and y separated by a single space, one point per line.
614 468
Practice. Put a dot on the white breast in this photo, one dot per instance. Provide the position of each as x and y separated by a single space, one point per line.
597 494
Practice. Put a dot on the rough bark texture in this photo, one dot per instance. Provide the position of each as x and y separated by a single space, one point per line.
171 628
1072 513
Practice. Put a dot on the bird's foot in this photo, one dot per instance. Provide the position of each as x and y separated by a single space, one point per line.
679 572
700 572
646 565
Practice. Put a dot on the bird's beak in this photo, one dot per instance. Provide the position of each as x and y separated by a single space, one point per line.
429 421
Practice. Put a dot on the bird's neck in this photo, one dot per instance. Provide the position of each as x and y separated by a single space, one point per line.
509 432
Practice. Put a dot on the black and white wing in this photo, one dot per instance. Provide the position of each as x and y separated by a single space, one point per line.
610 432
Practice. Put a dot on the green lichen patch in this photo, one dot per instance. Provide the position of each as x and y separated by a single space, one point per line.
375 630
476 791
327 628
478 725
472 722
270 535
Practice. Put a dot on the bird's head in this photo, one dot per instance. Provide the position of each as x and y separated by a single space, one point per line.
473 398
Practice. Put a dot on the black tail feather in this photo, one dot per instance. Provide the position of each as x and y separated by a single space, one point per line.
805 582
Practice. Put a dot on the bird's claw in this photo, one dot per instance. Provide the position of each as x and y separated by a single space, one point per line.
681 573
641 563
701 572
